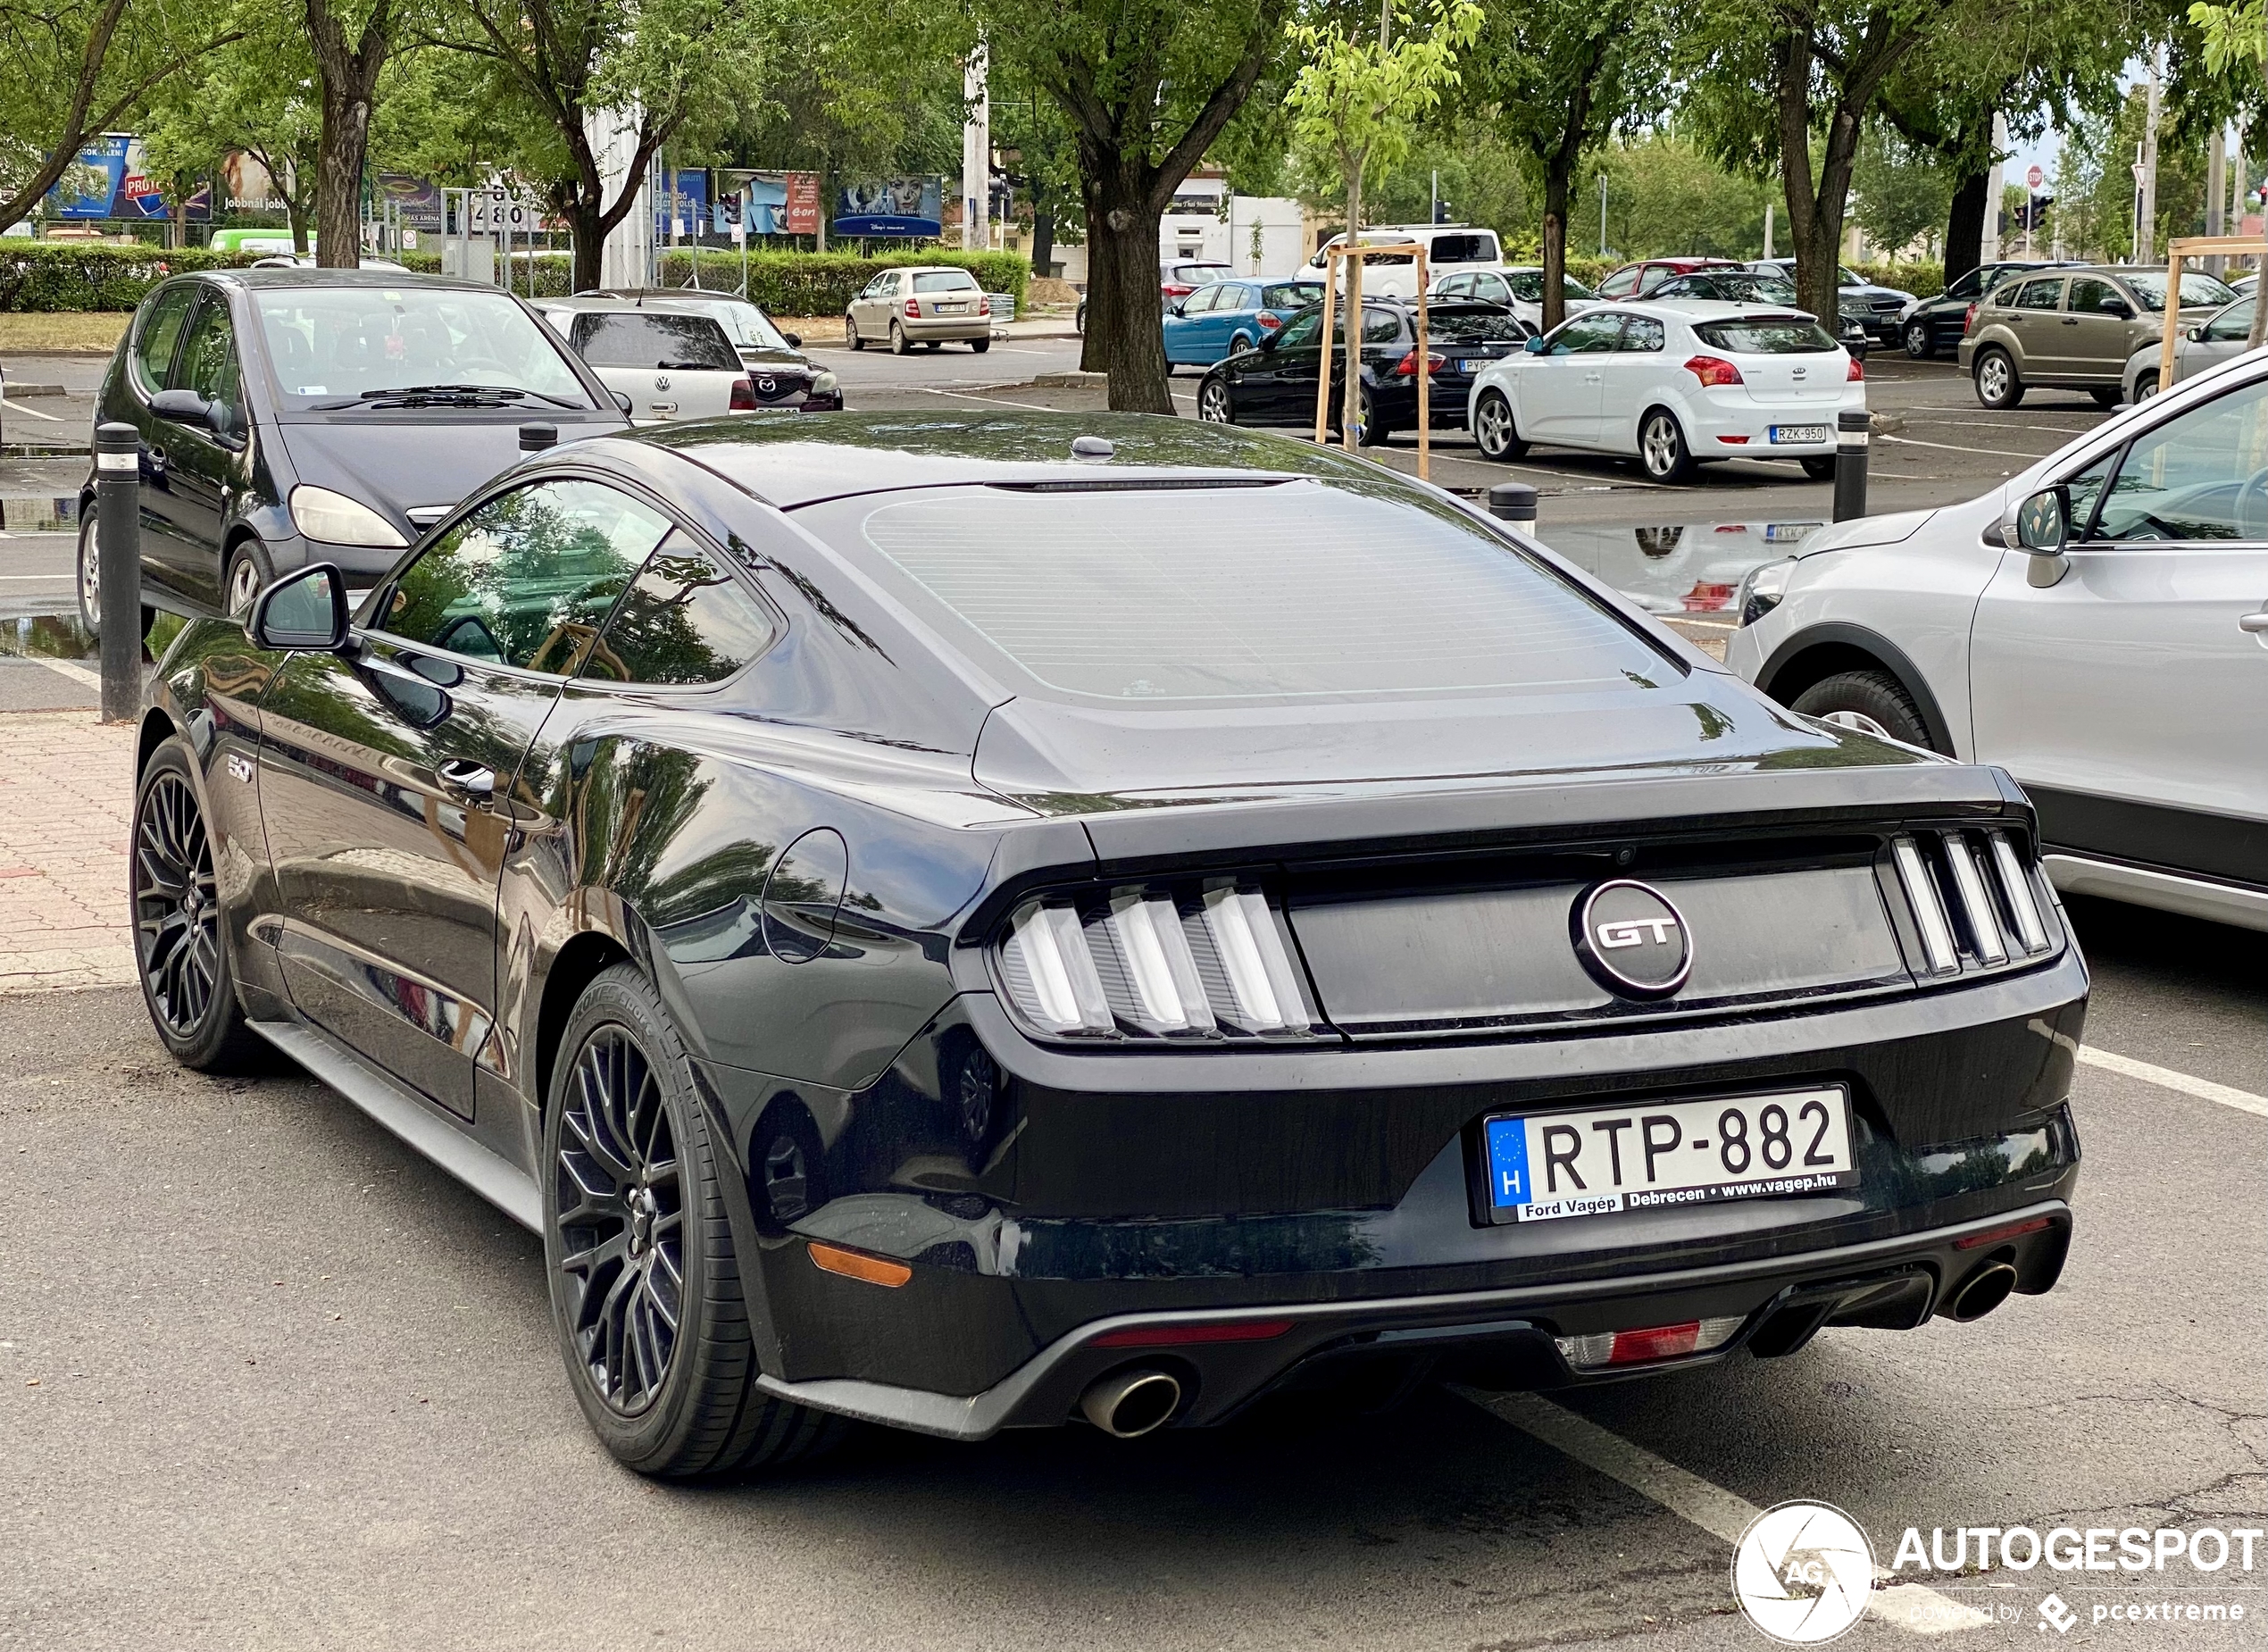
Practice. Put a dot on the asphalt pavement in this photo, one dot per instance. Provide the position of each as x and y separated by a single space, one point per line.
268 1379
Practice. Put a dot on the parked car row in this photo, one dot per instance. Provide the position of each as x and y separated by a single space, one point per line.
2076 329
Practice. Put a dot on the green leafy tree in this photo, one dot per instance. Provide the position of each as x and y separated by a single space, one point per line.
73 68
676 65
1900 191
256 95
1561 76
1357 99
1146 86
1666 196
352 40
2236 40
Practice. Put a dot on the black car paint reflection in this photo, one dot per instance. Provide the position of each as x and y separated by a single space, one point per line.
813 858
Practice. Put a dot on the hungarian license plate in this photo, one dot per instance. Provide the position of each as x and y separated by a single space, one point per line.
953 309
1801 433
1649 1156
1472 364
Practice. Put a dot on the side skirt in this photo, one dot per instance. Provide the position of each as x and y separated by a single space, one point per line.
2144 886
504 1184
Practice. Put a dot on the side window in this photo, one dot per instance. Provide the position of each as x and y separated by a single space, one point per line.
1966 286
1641 333
1619 284
1300 331
528 579
2086 487
160 331
2088 295
208 361
684 620
2233 323
1381 325
1648 279
2042 295
2195 477
1587 335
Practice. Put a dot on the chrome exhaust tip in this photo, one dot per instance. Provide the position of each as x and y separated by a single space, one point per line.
1982 1292
1128 1404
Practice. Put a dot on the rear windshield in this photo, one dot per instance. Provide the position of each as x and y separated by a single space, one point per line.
335 341
1528 286
1465 248
944 282
1446 323
2196 289
1293 590
643 338
746 325
1767 336
1290 294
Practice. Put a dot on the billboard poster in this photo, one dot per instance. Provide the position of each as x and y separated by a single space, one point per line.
417 199
778 202
682 205
107 179
902 206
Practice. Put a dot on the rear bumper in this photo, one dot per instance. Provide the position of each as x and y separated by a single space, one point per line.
1729 423
930 328
1492 1339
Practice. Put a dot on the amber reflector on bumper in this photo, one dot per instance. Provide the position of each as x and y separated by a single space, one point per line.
1181 1336
857 1265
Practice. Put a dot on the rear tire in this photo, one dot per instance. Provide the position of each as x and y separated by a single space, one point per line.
646 1284
1496 429
979 345
1373 432
2107 395
1820 467
181 954
1240 344
1662 451
89 578
1997 386
2146 386
1871 702
897 339
850 332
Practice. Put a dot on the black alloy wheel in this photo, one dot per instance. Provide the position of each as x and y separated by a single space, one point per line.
1918 342
180 953
653 1320
622 1221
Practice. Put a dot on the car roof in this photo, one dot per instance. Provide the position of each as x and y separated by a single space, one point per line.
605 304
1690 310
392 281
801 461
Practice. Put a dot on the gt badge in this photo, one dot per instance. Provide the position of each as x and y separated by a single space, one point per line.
1632 941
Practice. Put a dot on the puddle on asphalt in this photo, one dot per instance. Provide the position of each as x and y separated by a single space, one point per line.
47 636
1677 567
39 515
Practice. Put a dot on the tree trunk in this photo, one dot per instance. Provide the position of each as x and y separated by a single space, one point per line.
589 239
1557 188
1123 334
1043 232
296 212
339 178
1964 226
1350 401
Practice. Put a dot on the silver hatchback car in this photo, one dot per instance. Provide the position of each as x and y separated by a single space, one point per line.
921 303
2202 344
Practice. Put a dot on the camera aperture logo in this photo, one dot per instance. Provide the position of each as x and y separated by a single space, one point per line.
1803 1573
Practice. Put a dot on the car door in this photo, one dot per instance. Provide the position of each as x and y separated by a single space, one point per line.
1630 374
2095 341
204 464
1947 312
1278 385
1187 334
1559 390
2037 320
389 773
149 368
2128 698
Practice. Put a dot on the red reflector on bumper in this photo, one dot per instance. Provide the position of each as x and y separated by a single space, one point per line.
1176 1336
1993 1236
1660 1342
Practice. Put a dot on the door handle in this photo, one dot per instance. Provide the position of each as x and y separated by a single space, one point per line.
461 774
2071 320
2256 622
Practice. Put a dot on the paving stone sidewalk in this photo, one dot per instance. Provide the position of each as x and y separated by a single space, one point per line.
66 799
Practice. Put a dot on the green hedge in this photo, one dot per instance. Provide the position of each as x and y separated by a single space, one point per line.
36 276
45 278
1923 280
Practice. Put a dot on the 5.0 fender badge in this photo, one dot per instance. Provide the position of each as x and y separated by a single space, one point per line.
239 766
1633 941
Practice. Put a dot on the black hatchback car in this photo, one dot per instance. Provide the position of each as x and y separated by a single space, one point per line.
972 921
1275 382
1936 324
289 416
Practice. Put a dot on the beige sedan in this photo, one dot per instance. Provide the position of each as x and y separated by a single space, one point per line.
920 303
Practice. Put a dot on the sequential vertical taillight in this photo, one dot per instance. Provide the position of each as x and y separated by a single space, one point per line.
1928 907
1714 370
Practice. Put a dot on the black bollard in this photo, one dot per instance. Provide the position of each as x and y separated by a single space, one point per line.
1850 464
118 529
1514 501
536 437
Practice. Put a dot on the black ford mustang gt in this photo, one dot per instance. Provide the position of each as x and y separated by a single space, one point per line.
972 921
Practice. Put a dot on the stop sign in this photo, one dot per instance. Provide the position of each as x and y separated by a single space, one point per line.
2034 178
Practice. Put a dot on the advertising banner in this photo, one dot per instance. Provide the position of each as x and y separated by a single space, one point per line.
683 202
778 202
418 200
107 179
899 206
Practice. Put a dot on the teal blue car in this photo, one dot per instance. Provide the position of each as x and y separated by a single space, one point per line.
1222 317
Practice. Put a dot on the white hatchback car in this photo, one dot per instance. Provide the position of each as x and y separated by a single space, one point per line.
2098 626
1677 385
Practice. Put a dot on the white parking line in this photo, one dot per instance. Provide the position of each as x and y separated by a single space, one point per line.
1997 453
18 407
990 401
2204 1089
77 674
1716 1511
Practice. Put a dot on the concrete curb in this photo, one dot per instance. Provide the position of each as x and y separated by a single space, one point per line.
1076 379
24 392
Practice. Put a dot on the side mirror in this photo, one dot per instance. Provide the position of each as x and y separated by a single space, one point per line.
2116 306
182 407
1175 307
2042 529
622 400
1535 346
304 610
795 340
1269 341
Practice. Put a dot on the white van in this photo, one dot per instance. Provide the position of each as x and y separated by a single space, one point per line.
1448 249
